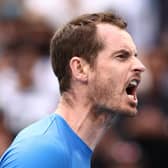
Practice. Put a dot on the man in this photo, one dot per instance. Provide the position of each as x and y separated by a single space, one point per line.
96 63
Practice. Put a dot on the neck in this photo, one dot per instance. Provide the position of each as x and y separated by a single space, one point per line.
83 119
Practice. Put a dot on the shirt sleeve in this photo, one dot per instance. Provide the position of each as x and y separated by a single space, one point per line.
37 155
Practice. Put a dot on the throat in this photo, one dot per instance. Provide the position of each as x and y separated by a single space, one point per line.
92 128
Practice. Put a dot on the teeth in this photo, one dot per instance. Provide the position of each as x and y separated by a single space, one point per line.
133 83
133 97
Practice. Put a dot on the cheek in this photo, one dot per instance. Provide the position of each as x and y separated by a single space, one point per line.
107 81
120 78
103 88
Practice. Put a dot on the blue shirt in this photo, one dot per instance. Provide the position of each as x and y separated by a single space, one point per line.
48 143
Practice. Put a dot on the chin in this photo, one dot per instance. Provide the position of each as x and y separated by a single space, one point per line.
130 112
127 111
112 110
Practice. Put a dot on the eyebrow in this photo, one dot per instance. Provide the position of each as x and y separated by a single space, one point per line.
124 51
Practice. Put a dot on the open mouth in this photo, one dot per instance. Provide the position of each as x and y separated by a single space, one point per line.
131 88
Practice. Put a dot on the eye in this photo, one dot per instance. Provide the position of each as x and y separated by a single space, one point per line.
122 57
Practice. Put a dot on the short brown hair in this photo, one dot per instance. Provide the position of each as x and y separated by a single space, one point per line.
78 38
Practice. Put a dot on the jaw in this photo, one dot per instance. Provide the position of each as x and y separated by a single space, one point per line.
112 98
121 106
128 105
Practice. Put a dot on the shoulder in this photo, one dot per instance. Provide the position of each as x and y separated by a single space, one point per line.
39 145
38 128
36 153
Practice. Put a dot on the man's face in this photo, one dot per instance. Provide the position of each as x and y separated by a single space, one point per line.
114 78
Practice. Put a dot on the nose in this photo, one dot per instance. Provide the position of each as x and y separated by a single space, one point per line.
138 65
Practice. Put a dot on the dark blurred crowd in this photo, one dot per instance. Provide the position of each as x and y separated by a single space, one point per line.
30 91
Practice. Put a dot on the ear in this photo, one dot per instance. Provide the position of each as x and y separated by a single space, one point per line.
79 68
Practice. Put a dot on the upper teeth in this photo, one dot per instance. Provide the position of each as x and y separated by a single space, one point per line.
133 83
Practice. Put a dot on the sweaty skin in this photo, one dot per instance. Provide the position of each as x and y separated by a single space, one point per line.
102 86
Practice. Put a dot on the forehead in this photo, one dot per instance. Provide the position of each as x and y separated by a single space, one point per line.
115 38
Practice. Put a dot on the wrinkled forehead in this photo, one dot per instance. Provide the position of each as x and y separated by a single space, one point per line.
115 38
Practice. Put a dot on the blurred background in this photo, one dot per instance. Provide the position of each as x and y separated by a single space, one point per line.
30 91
